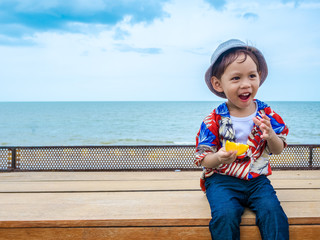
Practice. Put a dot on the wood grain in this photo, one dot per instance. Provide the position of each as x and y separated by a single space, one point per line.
310 232
137 205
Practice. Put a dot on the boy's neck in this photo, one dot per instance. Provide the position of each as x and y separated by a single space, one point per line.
241 112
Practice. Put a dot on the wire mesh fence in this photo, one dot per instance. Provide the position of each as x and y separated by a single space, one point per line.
133 158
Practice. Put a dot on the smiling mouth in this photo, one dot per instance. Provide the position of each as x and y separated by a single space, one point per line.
244 96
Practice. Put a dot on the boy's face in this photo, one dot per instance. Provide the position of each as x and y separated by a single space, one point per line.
239 82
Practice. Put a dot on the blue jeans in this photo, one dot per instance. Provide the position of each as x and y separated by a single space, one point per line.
228 196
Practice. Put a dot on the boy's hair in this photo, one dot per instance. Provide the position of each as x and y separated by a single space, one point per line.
229 57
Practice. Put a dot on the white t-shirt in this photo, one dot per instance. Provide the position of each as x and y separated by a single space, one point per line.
242 127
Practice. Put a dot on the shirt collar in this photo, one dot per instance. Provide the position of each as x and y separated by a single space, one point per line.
223 110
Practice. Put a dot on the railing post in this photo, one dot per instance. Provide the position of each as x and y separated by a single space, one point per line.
310 156
13 160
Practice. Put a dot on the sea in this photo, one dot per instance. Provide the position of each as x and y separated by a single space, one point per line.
131 123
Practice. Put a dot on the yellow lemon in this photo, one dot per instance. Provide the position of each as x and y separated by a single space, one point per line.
241 148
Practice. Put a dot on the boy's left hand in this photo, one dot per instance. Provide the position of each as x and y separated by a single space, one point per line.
265 125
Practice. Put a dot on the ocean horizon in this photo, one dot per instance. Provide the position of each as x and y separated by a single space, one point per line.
91 123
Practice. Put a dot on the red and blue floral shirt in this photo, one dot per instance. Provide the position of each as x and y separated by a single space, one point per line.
217 128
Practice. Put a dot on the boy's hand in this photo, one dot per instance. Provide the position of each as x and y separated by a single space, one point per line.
226 157
264 124
276 145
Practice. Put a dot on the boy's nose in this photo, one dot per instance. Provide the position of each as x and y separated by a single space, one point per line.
245 83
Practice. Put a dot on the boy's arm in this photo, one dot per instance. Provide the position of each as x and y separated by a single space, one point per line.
275 144
207 141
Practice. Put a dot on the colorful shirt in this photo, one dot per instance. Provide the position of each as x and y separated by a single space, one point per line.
217 128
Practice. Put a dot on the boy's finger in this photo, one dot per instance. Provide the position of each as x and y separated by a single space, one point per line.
231 154
257 121
264 116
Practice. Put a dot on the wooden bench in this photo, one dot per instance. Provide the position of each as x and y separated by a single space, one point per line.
137 205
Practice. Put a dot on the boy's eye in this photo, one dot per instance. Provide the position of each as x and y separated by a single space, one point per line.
235 78
252 76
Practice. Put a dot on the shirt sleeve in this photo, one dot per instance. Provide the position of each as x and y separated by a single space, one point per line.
206 140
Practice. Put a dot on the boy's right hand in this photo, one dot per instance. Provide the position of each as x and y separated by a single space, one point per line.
214 160
226 157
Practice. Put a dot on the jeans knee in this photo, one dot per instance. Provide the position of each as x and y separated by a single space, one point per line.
229 217
269 208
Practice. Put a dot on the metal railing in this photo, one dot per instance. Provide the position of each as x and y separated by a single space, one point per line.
133 158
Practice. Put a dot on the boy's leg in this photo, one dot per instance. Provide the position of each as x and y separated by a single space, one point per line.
226 210
270 217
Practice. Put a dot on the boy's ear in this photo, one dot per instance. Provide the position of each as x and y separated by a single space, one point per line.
216 84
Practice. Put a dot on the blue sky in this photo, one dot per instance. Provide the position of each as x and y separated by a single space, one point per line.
154 50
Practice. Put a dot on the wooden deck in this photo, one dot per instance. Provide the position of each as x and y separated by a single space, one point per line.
137 205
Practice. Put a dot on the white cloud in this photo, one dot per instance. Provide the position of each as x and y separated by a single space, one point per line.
164 59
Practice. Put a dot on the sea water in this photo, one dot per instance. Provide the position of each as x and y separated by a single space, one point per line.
131 123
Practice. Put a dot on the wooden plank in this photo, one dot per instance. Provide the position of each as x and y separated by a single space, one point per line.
294 184
151 185
98 186
298 195
123 205
143 233
98 176
120 205
135 176
310 232
164 181
105 223
285 194
140 222
295 174
297 232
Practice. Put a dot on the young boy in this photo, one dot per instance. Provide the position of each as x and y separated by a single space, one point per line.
234 182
